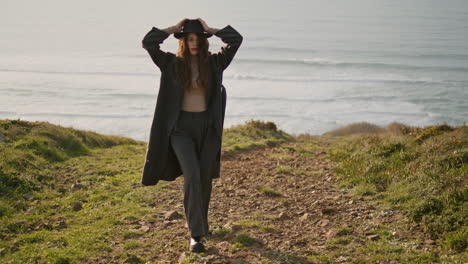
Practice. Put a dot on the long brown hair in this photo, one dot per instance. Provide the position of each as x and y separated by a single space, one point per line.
182 67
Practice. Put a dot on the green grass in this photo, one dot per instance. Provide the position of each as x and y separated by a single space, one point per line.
268 191
241 241
39 164
421 171
253 134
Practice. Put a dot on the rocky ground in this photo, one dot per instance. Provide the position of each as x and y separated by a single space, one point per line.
281 204
76 197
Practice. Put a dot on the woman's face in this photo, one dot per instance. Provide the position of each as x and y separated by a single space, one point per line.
192 41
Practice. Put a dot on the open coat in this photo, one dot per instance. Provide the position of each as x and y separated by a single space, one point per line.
161 162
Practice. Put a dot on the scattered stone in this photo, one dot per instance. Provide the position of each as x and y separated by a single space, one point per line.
144 228
132 259
46 226
224 245
429 242
20 222
283 216
171 215
61 224
233 227
304 217
77 206
324 222
331 233
328 210
235 261
27 196
373 237
182 257
77 186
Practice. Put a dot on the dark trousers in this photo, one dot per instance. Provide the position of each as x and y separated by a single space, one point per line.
187 141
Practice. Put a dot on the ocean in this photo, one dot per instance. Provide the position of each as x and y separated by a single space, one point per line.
309 66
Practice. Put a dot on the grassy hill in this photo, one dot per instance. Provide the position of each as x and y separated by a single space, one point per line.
74 196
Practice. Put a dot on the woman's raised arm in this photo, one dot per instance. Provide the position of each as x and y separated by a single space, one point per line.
229 36
233 40
154 38
151 43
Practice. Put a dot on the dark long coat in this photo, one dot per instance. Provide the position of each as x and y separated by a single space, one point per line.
161 162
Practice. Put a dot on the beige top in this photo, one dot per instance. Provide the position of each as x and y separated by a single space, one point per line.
194 101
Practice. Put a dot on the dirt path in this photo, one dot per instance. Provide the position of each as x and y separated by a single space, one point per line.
286 202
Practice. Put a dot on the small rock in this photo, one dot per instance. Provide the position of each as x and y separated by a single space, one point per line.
77 206
182 257
20 222
144 228
46 226
233 227
429 242
171 215
61 224
331 233
328 211
304 217
224 245
324 222
27 196
77 186
236 228
283 216
132 259
373 237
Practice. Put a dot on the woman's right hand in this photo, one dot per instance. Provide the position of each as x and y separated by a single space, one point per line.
180 25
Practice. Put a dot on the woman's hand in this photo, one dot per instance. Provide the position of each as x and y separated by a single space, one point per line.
180 24
205 26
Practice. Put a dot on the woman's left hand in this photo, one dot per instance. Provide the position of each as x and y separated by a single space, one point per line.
205 26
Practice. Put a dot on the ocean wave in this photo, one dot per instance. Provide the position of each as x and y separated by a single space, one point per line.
78 72
342 64
321 100
255 77
131 95
307 79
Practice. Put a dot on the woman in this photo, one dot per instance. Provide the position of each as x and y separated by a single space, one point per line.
186 132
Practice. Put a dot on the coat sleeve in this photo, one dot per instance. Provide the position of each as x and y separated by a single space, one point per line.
151 43
233 40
